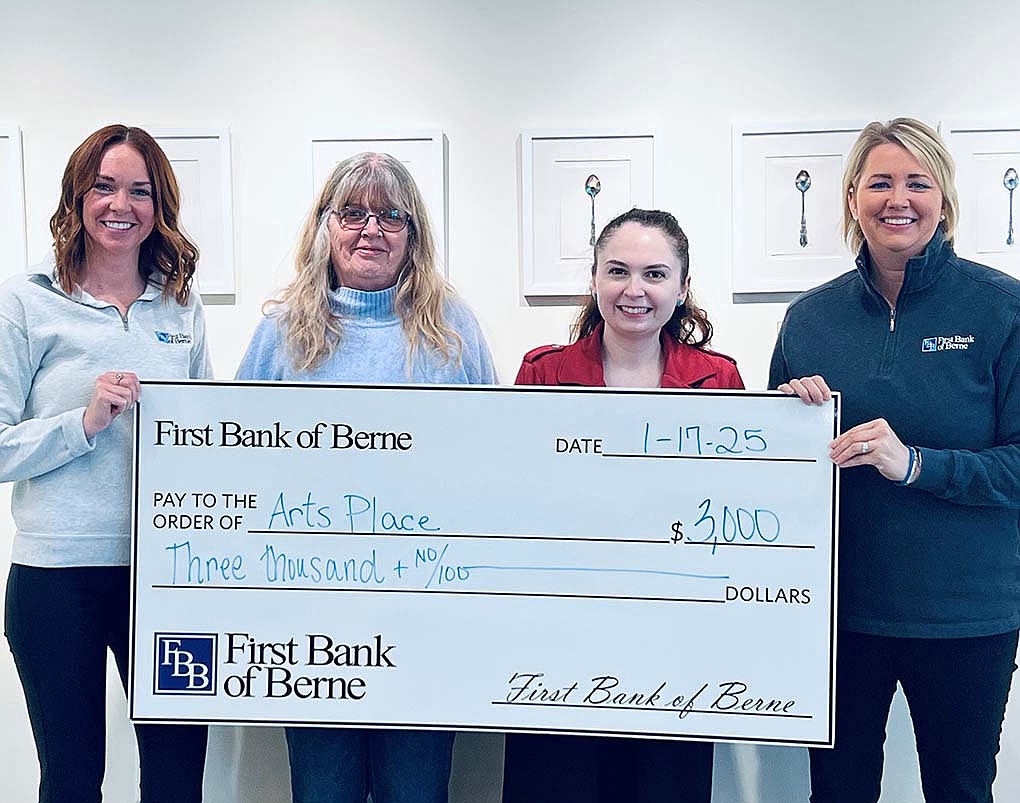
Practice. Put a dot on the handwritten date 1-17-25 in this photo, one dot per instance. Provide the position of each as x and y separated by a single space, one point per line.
693 440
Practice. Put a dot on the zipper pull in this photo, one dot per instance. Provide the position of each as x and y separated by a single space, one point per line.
892 319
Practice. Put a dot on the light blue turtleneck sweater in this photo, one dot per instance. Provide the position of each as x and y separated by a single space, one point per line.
373 348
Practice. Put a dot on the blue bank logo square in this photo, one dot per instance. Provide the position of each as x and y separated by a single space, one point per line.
185 663
173 338
930 344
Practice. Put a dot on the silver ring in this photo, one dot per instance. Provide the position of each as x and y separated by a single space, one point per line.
119 378
865 447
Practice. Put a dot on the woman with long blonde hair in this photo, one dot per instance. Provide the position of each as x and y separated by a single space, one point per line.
368 304
368 297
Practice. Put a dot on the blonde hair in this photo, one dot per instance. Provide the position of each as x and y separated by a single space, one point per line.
920 141
312 328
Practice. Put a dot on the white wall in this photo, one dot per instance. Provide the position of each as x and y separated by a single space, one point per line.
482 71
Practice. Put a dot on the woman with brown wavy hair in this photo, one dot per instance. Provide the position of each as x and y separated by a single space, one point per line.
640 328
113 303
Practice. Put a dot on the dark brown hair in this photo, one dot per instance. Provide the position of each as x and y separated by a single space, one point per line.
689 323
167 251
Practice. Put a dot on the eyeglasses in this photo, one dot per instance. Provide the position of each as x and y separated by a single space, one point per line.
355 218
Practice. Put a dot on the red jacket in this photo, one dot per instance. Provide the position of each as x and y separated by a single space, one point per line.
580 363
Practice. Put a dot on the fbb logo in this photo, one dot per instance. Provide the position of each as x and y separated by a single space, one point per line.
185 663
929 344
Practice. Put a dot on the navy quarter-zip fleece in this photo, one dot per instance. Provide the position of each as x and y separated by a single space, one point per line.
939 558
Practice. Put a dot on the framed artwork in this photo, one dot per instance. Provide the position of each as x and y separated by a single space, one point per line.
13 242
423 153
572 184
987 159
787 205
201 162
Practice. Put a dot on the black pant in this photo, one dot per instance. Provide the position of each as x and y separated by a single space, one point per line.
956 690
59 624
593 769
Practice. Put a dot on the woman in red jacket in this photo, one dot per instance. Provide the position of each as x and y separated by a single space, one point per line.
640 328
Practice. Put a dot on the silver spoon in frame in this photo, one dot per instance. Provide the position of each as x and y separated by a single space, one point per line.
592 186
803 183
1010 181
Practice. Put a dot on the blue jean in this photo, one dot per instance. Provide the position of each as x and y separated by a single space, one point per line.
549 768
340 765
956 690
59 624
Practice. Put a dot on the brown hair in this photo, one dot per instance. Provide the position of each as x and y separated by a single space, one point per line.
689 323
167 251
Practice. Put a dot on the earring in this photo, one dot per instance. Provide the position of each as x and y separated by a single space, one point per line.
942 218
594 297
680 302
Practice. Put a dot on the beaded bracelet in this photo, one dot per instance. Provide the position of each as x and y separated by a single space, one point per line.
913 467
910 468
917 465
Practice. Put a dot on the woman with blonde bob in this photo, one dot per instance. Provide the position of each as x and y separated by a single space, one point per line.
368 305
925 348
76 333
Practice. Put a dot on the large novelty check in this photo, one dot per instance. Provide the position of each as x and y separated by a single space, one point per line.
656 563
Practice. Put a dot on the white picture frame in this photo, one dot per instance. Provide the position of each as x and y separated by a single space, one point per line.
202 163
787 240
422 152
13 231
557 218
983 152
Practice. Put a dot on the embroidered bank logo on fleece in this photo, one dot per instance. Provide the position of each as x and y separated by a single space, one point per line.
173 338
947 343
185 663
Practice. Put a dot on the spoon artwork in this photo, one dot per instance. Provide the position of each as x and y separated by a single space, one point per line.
592 186
1010 181
803 183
